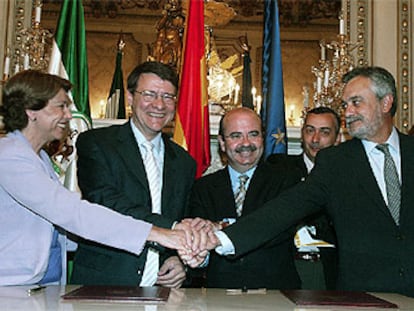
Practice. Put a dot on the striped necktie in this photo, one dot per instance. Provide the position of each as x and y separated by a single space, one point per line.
151 268
240 194
392 183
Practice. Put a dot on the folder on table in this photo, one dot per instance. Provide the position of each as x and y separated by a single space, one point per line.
119 293
336 298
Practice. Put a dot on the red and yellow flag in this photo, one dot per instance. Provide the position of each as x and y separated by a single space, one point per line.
192 119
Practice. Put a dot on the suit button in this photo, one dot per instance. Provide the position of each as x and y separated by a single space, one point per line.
401 272
139 272
401 237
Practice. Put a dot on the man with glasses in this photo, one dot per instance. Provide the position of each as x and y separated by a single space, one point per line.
230 194
138 171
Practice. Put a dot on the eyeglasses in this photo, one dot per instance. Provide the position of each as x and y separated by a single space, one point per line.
151 96
237 137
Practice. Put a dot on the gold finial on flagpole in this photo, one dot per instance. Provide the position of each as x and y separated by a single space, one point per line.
121 43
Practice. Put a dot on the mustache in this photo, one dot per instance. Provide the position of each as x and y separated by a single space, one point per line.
351 119
250 148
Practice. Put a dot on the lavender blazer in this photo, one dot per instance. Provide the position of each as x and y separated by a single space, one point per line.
32 200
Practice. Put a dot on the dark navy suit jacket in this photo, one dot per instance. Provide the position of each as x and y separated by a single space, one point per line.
374 253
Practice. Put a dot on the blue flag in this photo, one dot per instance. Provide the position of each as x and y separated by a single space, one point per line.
273 108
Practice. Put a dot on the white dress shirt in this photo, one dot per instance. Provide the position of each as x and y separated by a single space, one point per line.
376 160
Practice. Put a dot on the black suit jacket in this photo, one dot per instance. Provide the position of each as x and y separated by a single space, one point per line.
271 264
321 221
374 253
111 172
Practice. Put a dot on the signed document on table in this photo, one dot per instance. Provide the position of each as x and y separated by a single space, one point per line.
336 298
119 293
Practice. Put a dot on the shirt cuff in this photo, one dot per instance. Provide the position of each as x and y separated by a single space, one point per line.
205 262
226 247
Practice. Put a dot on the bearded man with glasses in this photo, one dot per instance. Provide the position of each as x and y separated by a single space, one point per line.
114 170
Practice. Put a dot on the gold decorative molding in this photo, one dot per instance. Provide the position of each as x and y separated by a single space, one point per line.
168 45
404 63
23 12
362 31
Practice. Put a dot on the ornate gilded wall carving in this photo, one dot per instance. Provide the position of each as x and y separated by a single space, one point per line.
404 65
22 20
362 31
167 47
291 12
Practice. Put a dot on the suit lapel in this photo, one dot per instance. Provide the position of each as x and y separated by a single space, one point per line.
261 180
300 164
223 190
131 154
365 178
407 172
256 184
169 173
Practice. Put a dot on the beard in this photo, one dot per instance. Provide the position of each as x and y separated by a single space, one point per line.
368 128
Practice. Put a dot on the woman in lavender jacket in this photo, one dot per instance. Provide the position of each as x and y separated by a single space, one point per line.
34 206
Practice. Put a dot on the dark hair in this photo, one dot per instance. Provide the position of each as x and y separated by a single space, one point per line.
383 83
30 89
165 72
323 110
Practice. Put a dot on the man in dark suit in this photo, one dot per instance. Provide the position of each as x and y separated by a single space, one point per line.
215 197
316 265
352 183
112 171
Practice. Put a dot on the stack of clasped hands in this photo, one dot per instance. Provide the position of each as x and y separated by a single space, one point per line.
199 239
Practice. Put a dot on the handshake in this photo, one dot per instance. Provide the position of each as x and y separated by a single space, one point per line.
192 238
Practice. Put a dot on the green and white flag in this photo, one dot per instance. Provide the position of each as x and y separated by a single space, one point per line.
68 58
115 107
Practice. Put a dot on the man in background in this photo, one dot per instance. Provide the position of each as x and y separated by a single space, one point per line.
316 265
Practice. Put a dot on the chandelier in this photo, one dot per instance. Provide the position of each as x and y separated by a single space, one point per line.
223 90
32 49
329 72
